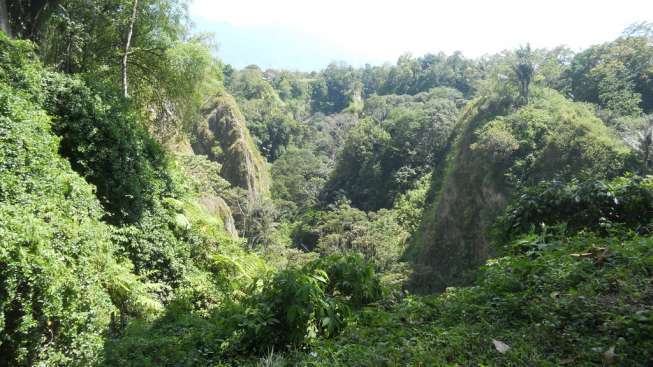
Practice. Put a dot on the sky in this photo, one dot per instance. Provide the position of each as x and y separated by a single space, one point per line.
307 35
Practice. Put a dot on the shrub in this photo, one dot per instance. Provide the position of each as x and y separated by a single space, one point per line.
350 277
593 204
290 308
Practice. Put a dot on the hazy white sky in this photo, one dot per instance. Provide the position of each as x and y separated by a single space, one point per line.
381 30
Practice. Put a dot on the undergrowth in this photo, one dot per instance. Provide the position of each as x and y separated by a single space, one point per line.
580 301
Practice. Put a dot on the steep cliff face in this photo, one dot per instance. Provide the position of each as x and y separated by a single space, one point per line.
495 149
209 189
223 137
215 205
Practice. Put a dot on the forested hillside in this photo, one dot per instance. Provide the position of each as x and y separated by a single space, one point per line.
159 207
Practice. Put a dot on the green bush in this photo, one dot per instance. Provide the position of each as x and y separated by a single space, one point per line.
593 204
299 304
156 246
290 308
53 305
350 276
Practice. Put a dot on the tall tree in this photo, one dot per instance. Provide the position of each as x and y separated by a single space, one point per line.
524 71
642 29
140 48
128 41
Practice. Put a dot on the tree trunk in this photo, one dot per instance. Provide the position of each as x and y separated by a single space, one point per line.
646 150
4 19
40 12
125 89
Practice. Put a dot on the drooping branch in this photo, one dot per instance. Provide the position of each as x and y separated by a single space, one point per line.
128 40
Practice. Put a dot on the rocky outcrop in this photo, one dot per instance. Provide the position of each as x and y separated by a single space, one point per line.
216 206
497 146
223 137
209 189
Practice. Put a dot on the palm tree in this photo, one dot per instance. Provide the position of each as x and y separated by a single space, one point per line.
524 71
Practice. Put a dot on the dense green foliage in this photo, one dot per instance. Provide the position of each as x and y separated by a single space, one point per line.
338 88
70 280
615 75
298 178
267 116
286 310
595 205
159 208
403 139
581 300
59 281
169 75
108 147
551 299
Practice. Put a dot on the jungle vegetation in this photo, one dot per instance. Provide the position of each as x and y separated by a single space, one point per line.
159 207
